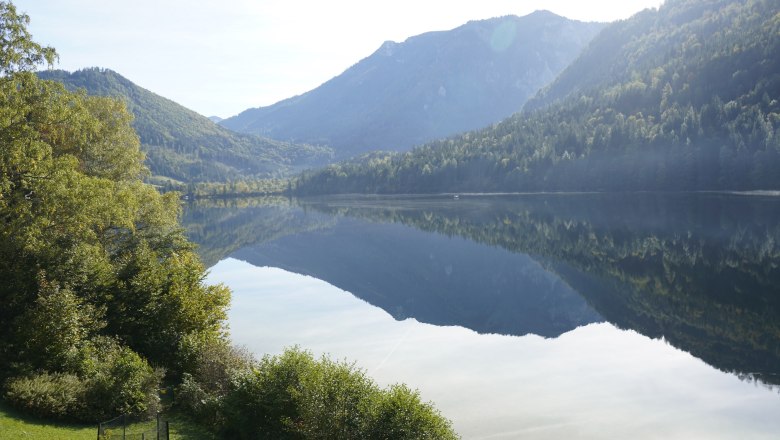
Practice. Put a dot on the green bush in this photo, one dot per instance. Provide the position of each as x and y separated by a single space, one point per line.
119 381
212 362
295 396
110 380
399 414
195 401
211 365
57 396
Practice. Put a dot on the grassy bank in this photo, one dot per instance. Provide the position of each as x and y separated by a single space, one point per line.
14 425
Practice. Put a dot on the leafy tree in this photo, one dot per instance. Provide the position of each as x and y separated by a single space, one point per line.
97 274
18 53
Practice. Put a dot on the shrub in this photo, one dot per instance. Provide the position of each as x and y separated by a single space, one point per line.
399 414
119 381
298 397
57 396
211 365
212 362
49 331
193 400
110 380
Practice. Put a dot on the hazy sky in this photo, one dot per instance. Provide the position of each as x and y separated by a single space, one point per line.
221 57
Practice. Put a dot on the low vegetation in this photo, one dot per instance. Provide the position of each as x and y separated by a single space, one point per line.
294 395
15 424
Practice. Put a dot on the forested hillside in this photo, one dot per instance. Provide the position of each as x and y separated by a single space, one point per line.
685 97
185 146
429 86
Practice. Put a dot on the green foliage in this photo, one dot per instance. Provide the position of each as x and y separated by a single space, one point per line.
165 299
232 188
683 98
51 331
56 396
296 396
213 362
17 50
118 381
187 147
97 275
212 365
106 379
399 414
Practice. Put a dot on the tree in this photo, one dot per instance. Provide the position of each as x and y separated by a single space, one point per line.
82 235
18 52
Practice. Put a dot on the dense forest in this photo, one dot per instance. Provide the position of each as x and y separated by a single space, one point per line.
104 299
680 98
183 146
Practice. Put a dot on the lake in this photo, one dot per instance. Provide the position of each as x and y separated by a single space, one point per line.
523 316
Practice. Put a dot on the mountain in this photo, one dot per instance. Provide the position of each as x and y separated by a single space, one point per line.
680 98
185 146
432 85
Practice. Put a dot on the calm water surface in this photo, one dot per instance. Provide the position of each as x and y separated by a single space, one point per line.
580 316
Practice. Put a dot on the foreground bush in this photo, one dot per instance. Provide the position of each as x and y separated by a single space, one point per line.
109 379
56 396
297 396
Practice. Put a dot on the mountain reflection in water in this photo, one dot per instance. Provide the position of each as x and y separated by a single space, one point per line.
700 270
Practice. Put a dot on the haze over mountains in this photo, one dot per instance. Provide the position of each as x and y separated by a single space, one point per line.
680 98
184 146
430 86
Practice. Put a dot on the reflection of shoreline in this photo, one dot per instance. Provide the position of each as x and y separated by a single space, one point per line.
757 193
432 278
700 270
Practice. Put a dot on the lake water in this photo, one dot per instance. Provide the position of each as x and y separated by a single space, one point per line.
536 316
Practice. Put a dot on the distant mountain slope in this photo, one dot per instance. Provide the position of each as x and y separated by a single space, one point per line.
183 145
430 86
702 48
686 97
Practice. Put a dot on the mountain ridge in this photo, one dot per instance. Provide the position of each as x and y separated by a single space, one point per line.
185 146
688 104
431 85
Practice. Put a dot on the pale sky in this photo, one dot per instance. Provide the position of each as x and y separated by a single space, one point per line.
222 57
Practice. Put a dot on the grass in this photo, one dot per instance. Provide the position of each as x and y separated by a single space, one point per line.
15 425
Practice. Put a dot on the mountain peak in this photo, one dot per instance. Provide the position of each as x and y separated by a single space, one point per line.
430 86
